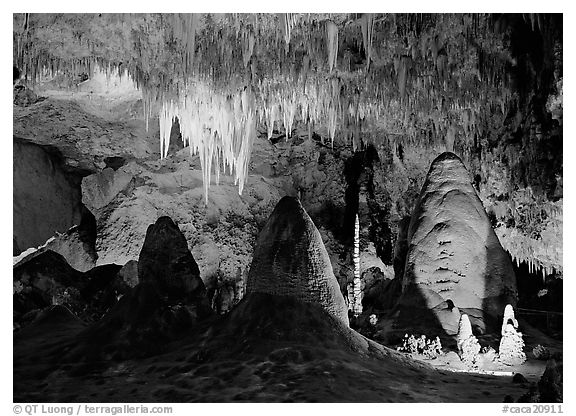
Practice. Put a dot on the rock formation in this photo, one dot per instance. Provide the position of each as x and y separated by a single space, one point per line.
167 264
47 279
511 351
290 260
453 252
508 319
356 299
46 198
166 303
77 245
129 273
468 346
551 383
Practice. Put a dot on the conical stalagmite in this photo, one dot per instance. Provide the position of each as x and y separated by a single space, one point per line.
166 263
453 251
290 260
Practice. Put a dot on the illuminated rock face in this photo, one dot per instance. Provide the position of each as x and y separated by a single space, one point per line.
453 250
290 260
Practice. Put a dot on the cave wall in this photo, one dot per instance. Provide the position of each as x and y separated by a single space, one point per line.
46 199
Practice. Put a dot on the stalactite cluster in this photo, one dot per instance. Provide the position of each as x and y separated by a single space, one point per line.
220 129
418 78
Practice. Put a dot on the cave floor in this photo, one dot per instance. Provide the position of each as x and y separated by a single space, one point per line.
275 371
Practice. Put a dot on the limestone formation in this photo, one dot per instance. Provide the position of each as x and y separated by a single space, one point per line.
167 264
290 260
464 329
551 383
508 318
47 279
46 196
356 302
99 189
129 273
168 300
453 250
511 351
468 346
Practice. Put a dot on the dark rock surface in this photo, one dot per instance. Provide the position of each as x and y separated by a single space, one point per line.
46 198
47 279
290 260
169 300
551 383
167 264
129 273
453 252
383 293
77 245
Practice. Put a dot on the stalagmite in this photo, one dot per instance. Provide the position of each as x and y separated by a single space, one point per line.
468 346
508 318
511 350
357 307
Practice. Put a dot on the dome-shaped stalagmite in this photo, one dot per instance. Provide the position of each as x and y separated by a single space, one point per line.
290 260
453 250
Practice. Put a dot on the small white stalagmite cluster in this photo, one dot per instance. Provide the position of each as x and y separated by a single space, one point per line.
511 351
220 129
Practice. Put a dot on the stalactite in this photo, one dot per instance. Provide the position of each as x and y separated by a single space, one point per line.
367 25
248 42
166 53
287 21
220 129
332 36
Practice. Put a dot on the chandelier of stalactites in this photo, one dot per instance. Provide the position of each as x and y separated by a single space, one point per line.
219 128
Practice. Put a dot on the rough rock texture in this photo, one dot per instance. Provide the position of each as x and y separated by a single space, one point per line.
129 273
77 245
551 383
290 260
167 264
99 189
169 300
453 250
46 199
78 252
24 96
47 279
380 288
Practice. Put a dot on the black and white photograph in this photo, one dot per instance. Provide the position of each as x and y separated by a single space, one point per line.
286 208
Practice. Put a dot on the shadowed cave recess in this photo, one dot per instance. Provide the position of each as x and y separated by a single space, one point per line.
358 207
